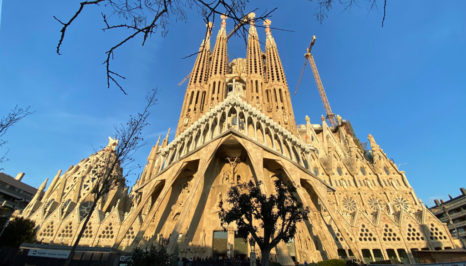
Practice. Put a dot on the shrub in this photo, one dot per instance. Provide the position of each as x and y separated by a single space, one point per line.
150 256
18 231
334 262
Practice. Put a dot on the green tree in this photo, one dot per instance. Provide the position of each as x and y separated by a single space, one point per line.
269 219
18 231
150 256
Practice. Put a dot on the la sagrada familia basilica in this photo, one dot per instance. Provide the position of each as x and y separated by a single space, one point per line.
236 125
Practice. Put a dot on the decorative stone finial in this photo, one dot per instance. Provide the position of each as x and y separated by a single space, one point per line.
209 25
339 119
42 186
224 20
20 176
165 141
158 140
112 143
267 24
322 117
374 144
308 120
251 17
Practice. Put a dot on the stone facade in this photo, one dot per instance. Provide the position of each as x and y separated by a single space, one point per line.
236 125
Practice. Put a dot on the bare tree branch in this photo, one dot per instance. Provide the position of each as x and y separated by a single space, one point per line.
324 7
384 11
10 119
145 17
67 24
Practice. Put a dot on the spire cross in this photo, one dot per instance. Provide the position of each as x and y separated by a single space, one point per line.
251 17
209 26
267 23
224 20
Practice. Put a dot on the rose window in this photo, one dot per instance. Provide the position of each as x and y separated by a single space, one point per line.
349 204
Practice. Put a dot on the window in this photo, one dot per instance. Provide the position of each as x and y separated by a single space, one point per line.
377 255
392 255
366 255
363 170
340 172
386 170
403 256
342 253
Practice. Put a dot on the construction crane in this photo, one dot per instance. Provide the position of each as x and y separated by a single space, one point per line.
308 57
185 78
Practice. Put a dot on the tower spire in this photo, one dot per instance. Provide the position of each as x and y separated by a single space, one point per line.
197 85
218 68
254 65
277 96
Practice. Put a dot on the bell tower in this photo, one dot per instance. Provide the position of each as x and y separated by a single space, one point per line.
195 96
254 67
276 98
259 79
207 85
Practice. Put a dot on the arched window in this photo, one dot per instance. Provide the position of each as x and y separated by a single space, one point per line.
363 170
386 170
340 172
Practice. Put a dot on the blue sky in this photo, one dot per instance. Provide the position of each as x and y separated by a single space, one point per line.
404 83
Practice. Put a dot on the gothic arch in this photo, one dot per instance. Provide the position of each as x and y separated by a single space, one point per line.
214 176
197 139
174 200
251 128
205 134
277 144
180 150
296 155
213 128
241 122
259 133
223 118
232 117
189 145
268 138
287 150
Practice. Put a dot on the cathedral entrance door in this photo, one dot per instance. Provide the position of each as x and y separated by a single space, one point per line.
219 245
240 247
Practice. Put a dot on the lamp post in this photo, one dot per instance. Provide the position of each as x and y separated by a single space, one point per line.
252 256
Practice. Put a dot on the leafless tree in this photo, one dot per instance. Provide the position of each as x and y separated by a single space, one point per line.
129 135
145 17
7 121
